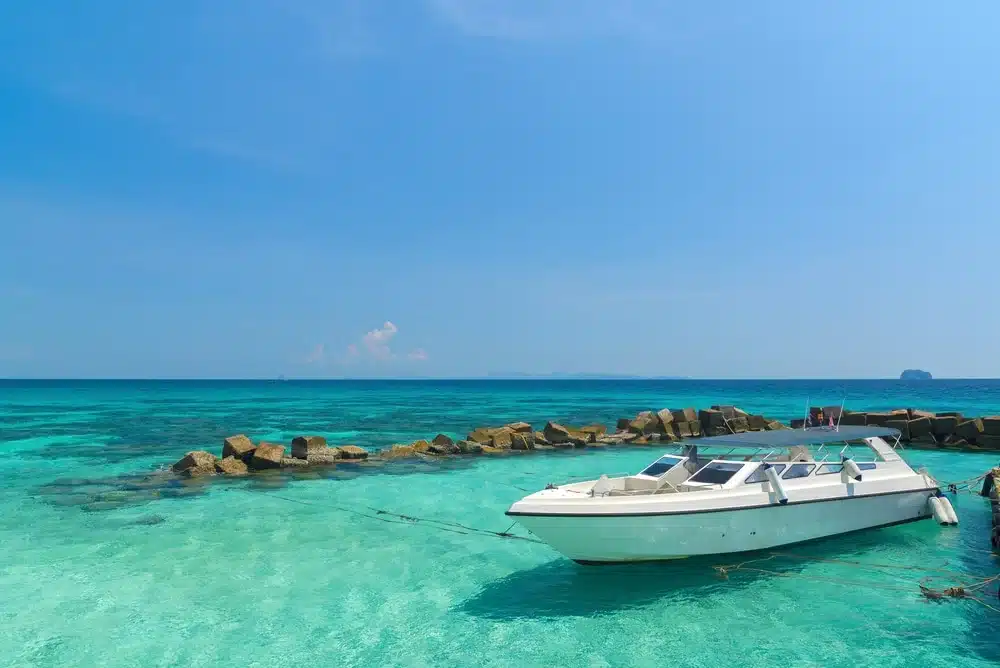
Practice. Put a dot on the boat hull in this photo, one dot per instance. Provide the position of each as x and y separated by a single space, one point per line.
612 538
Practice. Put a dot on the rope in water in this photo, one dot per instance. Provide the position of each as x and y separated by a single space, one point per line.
960 589
390 517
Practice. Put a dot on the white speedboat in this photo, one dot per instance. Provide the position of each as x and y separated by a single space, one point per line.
737 493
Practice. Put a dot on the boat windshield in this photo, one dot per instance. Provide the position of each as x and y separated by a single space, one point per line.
716 473
661 466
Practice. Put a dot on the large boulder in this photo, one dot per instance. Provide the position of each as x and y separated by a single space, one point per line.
645 423
713 422
502 439
597 429
920 429
442 444
522 441
267 456
854 419
398 451
944 425
540 438
303 445
469 447
480 435
738 425
195 463
970 430
914 414
352 452
988 441
238 446
293 463
519 427
666 417
685 414
991 425
420 445
757 422
324 456
688 429
556 434
231 466
776 425
622 424
879 419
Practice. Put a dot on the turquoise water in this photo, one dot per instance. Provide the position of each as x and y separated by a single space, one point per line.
279 572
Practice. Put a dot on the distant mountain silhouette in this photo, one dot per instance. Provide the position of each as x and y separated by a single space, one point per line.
591 376
915 374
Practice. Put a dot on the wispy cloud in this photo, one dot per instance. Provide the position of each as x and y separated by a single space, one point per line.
376 342
374 346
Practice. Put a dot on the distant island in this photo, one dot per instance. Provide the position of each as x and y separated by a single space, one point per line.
579 376
915 374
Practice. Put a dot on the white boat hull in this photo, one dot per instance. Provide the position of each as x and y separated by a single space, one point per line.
591 538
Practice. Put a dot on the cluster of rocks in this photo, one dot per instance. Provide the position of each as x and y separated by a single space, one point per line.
240 456
921 428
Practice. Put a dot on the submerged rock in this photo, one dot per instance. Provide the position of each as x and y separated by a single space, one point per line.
196 463
231 466
353 452
293 463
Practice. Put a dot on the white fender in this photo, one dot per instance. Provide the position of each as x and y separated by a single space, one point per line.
851 470
937 509
602 486
776 485
949 510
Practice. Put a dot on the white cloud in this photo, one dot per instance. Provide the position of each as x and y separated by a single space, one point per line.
376 342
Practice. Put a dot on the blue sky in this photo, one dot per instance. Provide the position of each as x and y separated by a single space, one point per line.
247 188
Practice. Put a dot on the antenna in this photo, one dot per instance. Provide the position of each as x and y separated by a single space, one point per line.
841 416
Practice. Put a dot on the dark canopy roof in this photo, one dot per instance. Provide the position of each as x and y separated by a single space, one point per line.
786 438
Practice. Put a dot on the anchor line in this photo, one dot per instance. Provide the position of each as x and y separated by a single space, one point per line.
390 517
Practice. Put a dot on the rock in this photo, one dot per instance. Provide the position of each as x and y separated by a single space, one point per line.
622 424
399 451
988 441
776 425
502 439
854 419
469 447
835 412
480 435
685 414
954 414
991 425
267 456
914 414
293 462
519 427
540 439
956 442
522 441
666 418
596 429
645 423
325 457
879 419
944 425
688 429
196 459
920 428
238 446
711 417
970 430
420 446
231 466
303 445
353 452
442 439
728 412
798 423
642 440
738 425
556 434
757 422
902 426
581 439
915 374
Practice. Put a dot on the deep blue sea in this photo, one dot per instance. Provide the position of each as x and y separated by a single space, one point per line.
98 570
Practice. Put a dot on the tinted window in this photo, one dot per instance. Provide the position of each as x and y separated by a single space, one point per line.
758 475
798 471
716 473
660 466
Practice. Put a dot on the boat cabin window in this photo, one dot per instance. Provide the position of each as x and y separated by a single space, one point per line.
716 473
758 475
798 471
661 466
837 468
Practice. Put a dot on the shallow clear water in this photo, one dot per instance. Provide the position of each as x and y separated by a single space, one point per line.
280 572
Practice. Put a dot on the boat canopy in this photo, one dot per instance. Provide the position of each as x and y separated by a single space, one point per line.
786 438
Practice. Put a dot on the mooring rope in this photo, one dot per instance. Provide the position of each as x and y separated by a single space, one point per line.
399 518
